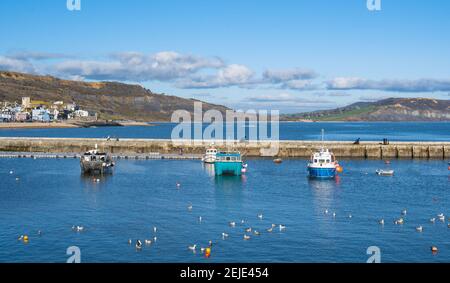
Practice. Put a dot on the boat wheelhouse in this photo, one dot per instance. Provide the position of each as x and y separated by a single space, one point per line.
210 155
93 162
228 163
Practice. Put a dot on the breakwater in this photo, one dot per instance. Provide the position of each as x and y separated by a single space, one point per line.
286 149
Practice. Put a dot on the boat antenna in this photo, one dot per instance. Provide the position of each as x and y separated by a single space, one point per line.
323 140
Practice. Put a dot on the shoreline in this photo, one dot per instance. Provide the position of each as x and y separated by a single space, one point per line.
71 125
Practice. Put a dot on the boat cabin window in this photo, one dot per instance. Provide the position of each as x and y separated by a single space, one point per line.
328 160
315 160
321 160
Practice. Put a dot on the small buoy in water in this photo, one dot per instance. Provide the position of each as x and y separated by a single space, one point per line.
449 168
350 216
244 170
17 179
278 161
178 185
434 249
207 252
339 169
25 238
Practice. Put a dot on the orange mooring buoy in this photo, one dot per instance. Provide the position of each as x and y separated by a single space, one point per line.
339 169
207 252
434 249
278 161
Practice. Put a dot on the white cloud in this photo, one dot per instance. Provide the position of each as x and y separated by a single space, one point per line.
282 76
11 64
420 85
231 75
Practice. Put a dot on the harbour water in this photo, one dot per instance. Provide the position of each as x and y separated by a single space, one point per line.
52 196
366 131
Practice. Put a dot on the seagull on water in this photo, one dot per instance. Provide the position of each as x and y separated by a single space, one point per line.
246 237
419 229
256 233
138 244
381 222
232 224
148 242
224 236
129 241
248 230
399 221
260 216
326 211
200 219
78 228
155 229
270 230
282 227
432 220
404 212
189 207
193 248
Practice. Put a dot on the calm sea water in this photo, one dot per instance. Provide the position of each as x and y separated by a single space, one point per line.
51 196
414 131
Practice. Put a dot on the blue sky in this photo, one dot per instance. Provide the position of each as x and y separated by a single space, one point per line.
289 55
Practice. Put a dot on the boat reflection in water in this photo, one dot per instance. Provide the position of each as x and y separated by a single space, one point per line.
209 169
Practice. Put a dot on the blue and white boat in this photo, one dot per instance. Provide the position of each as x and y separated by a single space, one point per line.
228 163
322 164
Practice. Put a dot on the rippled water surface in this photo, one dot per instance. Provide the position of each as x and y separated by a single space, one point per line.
51 195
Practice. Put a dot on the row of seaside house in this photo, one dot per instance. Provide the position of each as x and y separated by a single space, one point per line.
39 111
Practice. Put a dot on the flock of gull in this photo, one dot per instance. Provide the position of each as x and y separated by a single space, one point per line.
248 232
